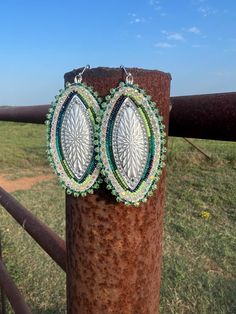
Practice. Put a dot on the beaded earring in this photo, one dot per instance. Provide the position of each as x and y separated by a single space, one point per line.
131 143
71 128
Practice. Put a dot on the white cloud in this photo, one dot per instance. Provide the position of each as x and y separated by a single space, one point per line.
164 32
164 45
194 30
135 19
156 5
206 11
175 36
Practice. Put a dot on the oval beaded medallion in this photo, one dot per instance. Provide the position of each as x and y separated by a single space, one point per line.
132 144
71 128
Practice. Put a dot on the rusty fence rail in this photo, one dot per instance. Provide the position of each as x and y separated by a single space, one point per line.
49 241
2 294
8 288
209 116
12 292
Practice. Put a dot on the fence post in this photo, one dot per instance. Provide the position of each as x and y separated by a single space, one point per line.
114 251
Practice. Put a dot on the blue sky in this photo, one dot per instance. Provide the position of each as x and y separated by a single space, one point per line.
194 40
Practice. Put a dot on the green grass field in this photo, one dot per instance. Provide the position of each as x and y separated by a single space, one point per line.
198 275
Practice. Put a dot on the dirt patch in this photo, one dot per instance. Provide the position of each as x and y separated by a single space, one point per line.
24 183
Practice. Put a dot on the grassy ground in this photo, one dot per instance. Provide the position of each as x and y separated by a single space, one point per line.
199 258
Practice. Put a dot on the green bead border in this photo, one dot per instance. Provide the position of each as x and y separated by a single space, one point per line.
48 124
163 141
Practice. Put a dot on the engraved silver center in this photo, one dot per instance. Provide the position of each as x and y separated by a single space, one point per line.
77 137
130 143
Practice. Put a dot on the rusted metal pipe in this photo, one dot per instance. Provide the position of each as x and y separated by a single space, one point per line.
42 234
28 114
113 250
12 292
210 116
2 295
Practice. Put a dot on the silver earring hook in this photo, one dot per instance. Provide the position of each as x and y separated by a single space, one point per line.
129 77
78 77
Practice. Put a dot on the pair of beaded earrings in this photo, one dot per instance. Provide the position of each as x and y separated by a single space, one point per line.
120 140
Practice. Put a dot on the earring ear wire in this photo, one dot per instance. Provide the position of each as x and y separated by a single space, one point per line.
78 78
129 77
71 131
132 142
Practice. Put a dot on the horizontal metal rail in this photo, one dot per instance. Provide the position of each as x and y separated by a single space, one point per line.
209 116
28 114
41 233
12 292
2 294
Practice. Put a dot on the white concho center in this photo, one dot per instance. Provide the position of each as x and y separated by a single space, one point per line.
130 143
77 137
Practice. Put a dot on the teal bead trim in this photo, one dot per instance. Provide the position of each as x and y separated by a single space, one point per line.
117 185
80 89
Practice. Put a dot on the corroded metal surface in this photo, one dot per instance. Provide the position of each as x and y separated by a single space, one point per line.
28 114
114 251
12 292
211 116
41 233
2 294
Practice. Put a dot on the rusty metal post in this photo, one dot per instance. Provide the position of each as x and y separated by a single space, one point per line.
114 251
